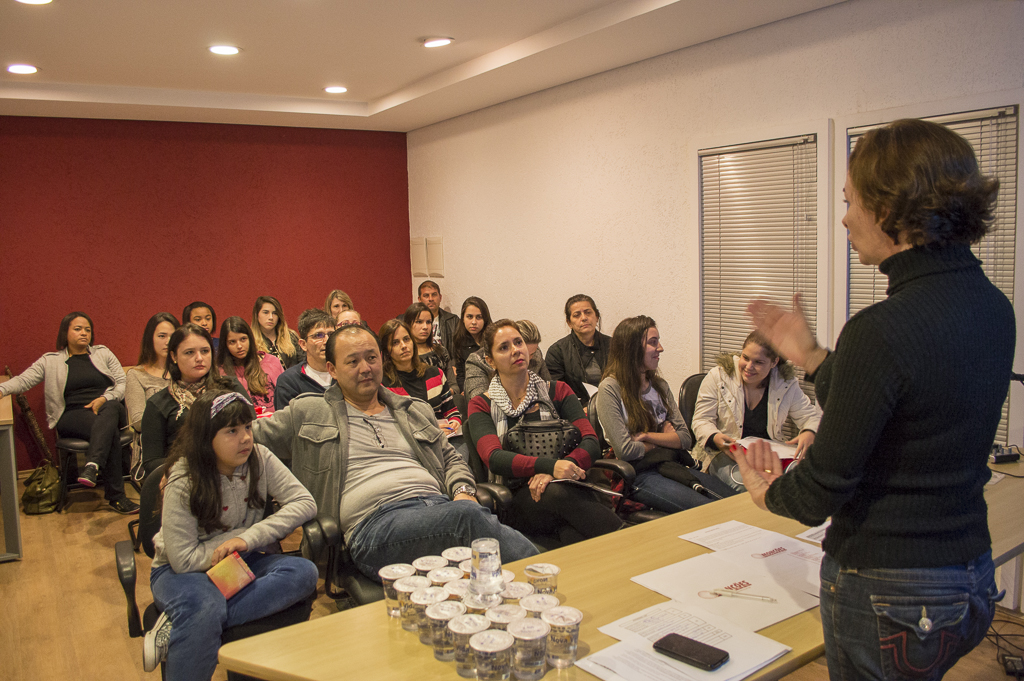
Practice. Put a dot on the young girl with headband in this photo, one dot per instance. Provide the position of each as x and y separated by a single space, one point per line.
218 485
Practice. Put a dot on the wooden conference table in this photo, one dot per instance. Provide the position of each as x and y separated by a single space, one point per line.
363 643
10 547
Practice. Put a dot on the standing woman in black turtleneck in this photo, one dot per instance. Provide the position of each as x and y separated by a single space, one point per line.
84 386
578 359
912 396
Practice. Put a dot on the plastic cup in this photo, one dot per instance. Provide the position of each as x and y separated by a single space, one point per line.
404 589
515 591
530 648
535 604
420 600
564 637
493 653
438 615
425 564
543 577
457 590
478 604
500 615
457 554
508 576
463 627
443 575
389 574
467 567
486 577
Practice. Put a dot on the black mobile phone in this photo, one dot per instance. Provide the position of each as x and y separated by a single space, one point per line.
695 653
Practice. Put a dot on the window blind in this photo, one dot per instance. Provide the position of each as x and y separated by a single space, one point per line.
993 135
758 223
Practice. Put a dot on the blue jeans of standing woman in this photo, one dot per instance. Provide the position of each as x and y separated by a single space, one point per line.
199 613
904 624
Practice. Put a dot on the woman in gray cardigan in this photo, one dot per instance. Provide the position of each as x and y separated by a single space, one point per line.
640 420
84 386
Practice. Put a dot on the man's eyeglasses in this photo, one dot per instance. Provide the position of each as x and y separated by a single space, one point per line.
377 433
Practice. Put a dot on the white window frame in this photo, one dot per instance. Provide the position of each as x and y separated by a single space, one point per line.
822 128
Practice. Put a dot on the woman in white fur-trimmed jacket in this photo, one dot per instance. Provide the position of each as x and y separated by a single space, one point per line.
748 395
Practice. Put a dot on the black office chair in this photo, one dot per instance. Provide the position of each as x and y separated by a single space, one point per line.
688 398
68 449
632 517
149 524
323 539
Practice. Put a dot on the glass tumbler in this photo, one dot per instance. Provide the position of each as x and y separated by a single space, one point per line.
463 627
486 577
389 574
565 633
492 650
530 648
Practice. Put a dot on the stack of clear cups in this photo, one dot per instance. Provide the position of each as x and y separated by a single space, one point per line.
463 627
438 617
404 589
389 574
564 637
530 648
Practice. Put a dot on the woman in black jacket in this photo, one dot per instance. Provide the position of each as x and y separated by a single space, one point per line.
578 359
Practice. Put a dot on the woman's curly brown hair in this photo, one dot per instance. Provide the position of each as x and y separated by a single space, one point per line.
922 180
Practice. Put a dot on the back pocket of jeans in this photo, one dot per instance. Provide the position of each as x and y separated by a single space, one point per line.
919 636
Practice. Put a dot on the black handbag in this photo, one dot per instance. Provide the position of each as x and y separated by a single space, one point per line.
548 439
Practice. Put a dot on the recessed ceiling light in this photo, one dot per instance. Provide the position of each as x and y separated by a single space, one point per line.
335 89
437 42
35 2
22 69
225 49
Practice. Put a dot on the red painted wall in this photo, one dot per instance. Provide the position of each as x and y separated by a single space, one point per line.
123 219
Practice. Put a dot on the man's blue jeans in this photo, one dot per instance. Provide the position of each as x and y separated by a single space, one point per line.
402 531
904 624
199 613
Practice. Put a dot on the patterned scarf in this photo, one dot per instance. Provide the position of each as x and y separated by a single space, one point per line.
502 409
186 393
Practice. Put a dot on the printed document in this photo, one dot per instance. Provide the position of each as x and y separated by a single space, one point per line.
634 659
691 582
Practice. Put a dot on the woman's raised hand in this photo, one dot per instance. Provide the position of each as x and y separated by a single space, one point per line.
788 332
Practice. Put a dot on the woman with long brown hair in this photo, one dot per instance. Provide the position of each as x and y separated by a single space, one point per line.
257 371
273 335
642 423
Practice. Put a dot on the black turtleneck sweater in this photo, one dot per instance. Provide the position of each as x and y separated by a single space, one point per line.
912 397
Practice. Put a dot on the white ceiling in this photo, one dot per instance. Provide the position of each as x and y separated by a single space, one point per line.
148 59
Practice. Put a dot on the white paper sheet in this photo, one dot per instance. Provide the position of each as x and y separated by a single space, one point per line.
635 659
816 534
726 535
783 450
690 582
996 477
783 558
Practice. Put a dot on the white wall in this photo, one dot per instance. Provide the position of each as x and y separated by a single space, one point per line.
590 187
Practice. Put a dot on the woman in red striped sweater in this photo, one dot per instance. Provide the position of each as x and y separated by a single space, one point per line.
406 374
571 512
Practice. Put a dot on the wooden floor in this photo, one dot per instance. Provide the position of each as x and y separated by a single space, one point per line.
64 614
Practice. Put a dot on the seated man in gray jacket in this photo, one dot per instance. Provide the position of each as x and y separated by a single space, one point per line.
379 462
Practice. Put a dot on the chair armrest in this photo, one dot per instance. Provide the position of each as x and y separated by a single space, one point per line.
124 557
320 534
619 468
498 495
